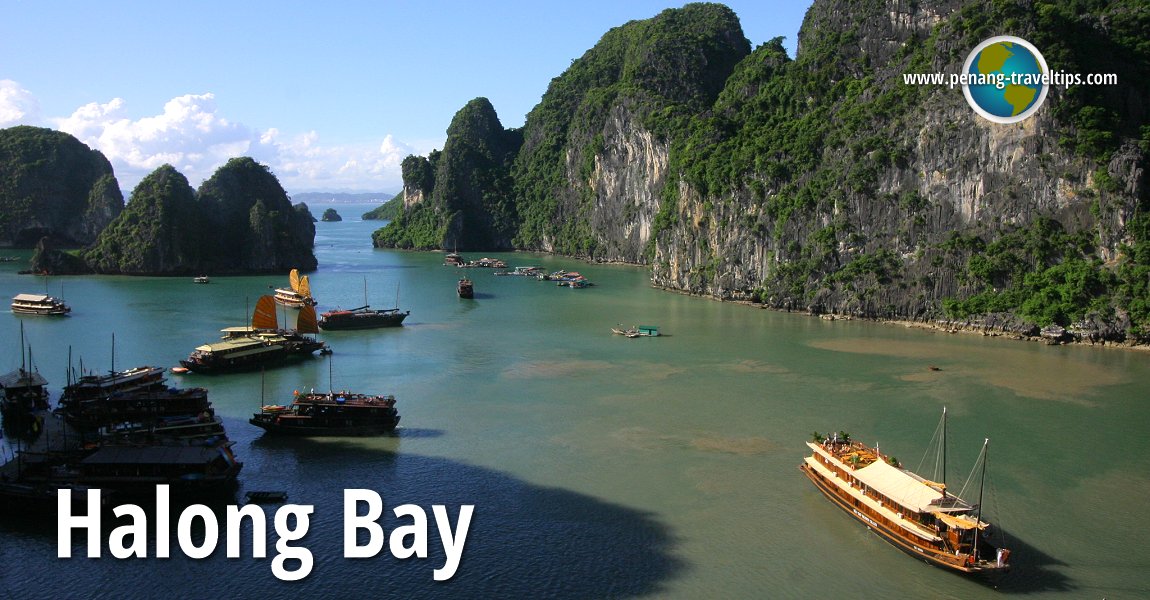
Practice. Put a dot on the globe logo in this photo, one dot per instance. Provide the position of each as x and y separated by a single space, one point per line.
1008 79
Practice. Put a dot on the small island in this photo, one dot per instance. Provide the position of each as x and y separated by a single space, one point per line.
330 215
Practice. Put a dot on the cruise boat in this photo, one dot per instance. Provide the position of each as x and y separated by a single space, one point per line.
261 344
39 304
919 516
330 414
298 294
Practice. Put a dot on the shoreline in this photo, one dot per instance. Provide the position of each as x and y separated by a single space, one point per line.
938 326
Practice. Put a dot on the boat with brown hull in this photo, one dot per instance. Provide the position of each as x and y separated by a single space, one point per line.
914 514
465 288
363 317
331 414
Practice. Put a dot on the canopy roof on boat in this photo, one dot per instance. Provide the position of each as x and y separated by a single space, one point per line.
900 486
22 379
32 298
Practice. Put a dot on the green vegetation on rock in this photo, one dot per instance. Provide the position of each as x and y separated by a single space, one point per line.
52 185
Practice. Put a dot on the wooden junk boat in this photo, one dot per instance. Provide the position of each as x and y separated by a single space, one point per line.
298 294
363 317
918 516
261 344
330 414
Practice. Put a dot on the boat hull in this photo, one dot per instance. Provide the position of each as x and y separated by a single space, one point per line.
339 322
359 430
250 362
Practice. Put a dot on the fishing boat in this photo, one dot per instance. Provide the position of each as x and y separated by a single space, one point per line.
92 386
298 294
453 259
39 304
330 414
363 317
262 343
917 515
201 279
465 288
637 331
24 390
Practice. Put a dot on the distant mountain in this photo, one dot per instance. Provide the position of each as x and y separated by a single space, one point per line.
342 197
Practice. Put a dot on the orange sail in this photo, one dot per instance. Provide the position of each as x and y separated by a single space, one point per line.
264 317
293 278
304 287
306 322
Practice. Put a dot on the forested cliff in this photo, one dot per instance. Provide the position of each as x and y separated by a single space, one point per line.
826 183
239 221
52 185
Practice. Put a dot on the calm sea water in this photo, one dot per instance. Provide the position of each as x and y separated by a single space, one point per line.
608 467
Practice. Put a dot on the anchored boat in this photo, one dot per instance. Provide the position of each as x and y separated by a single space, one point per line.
39 304
917 515
261 344
298 294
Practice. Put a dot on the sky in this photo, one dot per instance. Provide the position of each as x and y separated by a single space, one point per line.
330 96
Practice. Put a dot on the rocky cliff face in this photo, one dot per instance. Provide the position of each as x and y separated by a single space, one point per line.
907 191
595 154
826 183
52 185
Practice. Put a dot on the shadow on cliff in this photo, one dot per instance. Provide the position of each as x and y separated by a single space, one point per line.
525 540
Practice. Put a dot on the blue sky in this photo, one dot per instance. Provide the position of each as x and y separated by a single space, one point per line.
331 96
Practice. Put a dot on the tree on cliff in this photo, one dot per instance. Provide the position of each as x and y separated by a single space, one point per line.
53 185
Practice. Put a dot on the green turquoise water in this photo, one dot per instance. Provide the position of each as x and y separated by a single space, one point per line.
601 466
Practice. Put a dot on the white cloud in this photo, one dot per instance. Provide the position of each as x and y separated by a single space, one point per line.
17 105
191 135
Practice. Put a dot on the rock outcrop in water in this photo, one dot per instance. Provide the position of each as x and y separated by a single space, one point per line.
239 221
54 186
825 183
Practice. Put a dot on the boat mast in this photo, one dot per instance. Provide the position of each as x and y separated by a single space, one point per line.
22 363
397 296
944 452
981 485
